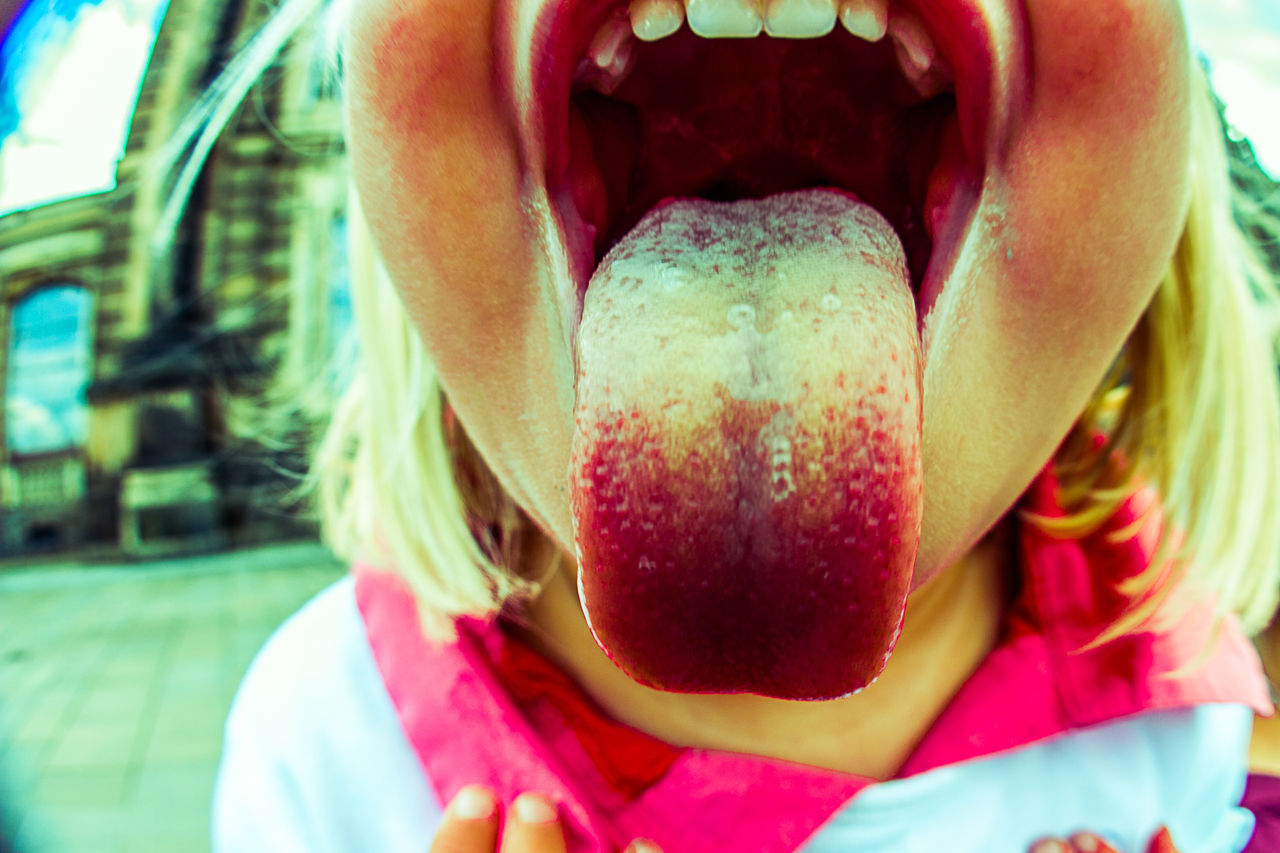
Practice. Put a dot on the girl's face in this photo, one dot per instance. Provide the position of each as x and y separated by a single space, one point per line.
1031 156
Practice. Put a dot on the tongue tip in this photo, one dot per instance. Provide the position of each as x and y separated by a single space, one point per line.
838 677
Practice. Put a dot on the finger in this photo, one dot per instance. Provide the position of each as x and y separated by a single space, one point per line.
533 826
1087 842
642 845
1162 842
1050 845
470 823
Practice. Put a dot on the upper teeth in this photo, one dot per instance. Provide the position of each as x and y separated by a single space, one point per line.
650 20
655 19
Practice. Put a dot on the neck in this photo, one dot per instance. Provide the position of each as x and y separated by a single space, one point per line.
952 623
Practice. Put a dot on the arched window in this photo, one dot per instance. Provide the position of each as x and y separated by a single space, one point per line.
340 318
341 339
48 370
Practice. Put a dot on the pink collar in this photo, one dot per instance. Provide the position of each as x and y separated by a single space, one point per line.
1070 592
471 718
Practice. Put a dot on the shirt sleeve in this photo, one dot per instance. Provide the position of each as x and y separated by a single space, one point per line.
1262 798
314 757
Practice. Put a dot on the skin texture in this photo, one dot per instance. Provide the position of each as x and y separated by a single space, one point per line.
1082 205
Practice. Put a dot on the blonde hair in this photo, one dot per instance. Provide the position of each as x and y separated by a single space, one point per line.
448 528
1191 408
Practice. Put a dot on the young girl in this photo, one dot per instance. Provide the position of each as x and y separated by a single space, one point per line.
782 425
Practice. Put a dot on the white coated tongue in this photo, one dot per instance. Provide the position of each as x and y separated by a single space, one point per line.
746 479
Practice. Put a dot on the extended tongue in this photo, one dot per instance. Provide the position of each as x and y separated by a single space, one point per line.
746 481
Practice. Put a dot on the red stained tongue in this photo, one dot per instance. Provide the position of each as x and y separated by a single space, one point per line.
746 480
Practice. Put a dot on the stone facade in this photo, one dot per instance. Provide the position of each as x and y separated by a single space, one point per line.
188 343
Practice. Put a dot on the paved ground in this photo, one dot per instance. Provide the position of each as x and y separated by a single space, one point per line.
114 683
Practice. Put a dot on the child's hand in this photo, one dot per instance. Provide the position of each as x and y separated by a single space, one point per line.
471 826
1087 842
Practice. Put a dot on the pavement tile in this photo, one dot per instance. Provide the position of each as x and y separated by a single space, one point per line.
193 677
183 745
60 790
112 700
67 688
178 789
200 713
76 829
119 667
37 728
94 746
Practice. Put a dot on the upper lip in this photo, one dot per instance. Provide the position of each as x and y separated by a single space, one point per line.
542 41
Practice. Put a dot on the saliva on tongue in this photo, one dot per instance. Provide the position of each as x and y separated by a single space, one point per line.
746 478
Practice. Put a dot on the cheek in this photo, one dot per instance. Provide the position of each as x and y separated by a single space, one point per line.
1085 212
436 164
1099 178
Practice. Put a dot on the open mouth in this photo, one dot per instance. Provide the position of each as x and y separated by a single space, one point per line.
757 204
891 102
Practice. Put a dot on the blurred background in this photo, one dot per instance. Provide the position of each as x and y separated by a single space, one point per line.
151 534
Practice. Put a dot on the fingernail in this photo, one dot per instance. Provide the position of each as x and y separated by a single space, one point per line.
530 808
473 803
643 845
1087 842
1049 845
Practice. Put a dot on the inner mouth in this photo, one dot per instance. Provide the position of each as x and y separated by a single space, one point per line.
746 469
727 119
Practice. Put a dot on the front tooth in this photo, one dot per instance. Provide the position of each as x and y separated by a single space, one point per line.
800 18
916 50
724 18
655 19
866 19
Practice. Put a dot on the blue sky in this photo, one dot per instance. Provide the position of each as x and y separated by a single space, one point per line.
71 70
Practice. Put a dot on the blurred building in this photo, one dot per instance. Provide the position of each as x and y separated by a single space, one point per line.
137 382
